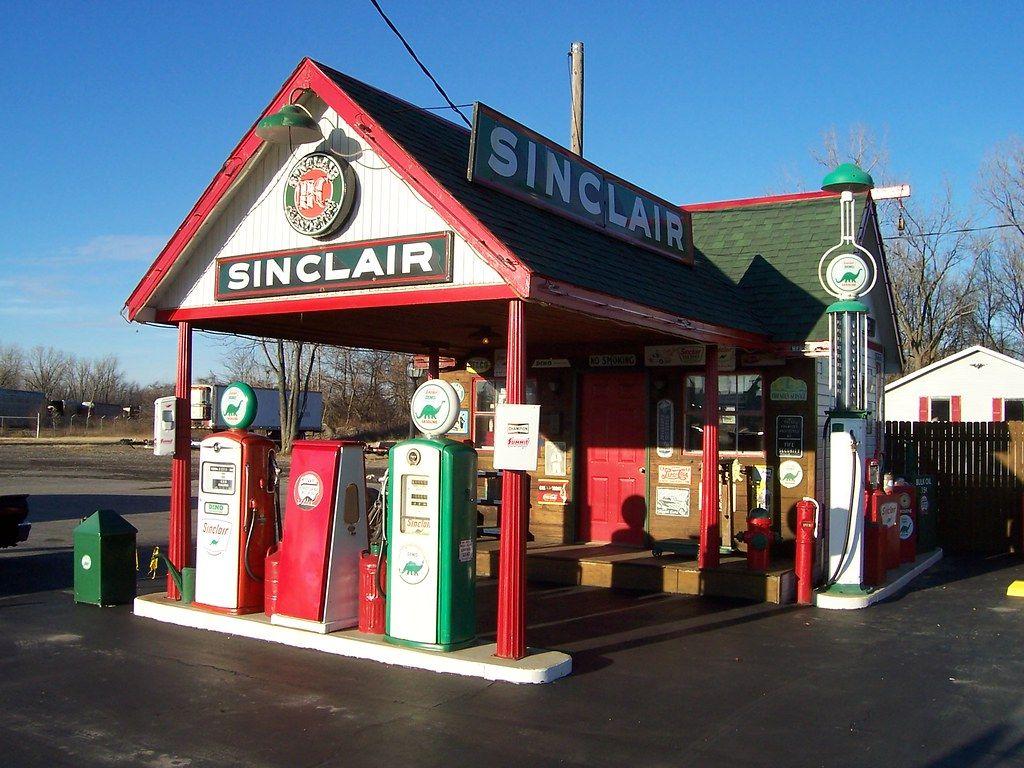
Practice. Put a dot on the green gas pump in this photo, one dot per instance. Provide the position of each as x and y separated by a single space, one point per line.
431 530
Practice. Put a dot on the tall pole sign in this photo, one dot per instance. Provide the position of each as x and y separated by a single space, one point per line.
848 271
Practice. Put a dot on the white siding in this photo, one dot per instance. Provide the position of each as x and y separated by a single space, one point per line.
976 386
251 220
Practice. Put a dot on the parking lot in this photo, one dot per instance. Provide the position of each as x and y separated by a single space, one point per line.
931 678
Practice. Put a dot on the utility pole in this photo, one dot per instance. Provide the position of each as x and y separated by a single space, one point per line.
576 117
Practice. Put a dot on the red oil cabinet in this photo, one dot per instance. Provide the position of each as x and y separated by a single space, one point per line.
906 495
881 541
324 535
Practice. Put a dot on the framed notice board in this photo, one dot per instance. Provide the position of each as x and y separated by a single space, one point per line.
789 437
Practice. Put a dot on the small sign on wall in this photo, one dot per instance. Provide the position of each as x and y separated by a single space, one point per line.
554 458
789 390
552 491
675 474
516 431
789 437
672 502
666 420
612 361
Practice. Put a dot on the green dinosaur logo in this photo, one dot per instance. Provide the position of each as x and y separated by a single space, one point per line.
412 568
232 410
851 277
429 411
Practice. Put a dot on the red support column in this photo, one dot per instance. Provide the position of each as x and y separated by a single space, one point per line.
511 634
710 533
433 364
179 537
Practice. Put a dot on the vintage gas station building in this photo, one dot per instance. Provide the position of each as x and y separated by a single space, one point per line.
679 353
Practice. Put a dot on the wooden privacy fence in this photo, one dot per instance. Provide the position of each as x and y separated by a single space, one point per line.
978 468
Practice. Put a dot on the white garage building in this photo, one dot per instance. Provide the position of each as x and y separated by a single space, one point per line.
977 384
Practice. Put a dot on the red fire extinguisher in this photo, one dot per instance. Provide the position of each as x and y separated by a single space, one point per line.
371 599
806 531
758 538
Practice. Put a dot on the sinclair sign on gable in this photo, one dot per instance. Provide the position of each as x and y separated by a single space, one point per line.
511 158
416 260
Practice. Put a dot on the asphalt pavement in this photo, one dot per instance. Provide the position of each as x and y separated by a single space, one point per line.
930 678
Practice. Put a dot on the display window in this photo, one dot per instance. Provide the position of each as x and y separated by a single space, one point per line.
740 413
488 393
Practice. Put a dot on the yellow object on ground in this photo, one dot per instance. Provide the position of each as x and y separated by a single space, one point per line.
1016 589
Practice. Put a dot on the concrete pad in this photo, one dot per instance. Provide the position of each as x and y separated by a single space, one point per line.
539 666
901 577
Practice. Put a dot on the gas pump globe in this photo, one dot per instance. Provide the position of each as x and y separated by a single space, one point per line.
847 271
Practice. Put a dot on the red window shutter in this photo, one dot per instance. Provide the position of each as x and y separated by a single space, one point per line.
922 409
997 409
954 408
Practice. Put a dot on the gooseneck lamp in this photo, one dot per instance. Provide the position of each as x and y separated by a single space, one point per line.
292 124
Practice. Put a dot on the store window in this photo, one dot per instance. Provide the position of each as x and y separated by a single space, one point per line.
487 393
939 409
1013 410
740 413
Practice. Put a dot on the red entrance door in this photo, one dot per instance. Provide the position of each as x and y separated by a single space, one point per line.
613 432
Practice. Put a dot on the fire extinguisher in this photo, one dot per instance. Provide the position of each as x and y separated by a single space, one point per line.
807 516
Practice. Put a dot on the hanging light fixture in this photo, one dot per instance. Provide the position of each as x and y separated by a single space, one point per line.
292 124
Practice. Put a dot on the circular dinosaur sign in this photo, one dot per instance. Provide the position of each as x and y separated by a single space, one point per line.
790 474
847 274
434 407
238 405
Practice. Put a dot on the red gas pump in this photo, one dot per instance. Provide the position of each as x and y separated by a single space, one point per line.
758 538
879 531
906 495
806 531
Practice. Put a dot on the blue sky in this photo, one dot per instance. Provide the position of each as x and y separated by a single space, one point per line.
118 114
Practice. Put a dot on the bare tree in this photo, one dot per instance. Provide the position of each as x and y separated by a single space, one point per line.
12 363
292 363
861 146
934 282
1001 189
46 370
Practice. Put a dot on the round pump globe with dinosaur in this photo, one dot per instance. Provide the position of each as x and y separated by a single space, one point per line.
434 407
238 405
847 274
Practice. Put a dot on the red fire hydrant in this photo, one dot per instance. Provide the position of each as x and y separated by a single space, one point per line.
758 538
806 530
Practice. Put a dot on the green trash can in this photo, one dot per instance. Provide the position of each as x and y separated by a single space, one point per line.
105 564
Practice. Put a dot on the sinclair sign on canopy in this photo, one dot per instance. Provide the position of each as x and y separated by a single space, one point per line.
513 159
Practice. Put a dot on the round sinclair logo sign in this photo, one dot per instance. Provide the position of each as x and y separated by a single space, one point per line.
847 274
309 489
435 407
238 405
319 194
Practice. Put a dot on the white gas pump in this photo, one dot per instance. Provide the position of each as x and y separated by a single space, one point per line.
847 271
431 529
237 522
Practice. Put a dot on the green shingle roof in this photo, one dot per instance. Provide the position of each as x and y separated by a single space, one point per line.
754 266
771 252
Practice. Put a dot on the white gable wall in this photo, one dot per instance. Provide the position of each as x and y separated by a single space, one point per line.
976 387
251 220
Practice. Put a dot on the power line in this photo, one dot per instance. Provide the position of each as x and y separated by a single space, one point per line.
951 231
416 58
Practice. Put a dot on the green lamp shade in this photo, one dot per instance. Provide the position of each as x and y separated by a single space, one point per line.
848 178
290 124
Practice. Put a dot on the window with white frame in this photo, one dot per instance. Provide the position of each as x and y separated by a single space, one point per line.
740 413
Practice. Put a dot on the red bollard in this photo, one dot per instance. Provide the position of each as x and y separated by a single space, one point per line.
806 528
758 537
371 601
